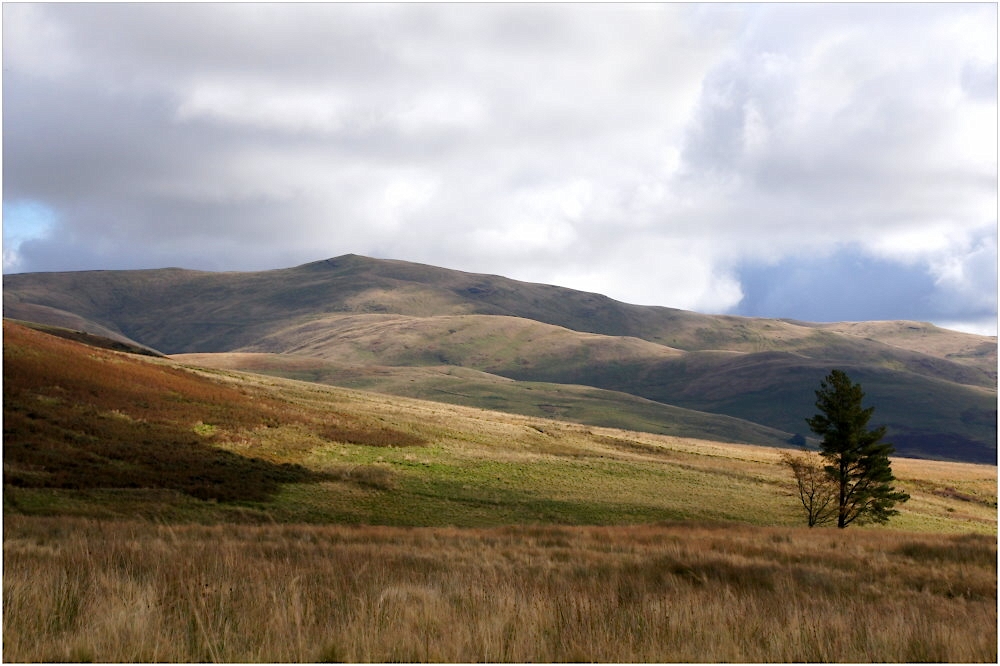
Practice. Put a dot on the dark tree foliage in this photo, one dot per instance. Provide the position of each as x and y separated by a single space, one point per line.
857 459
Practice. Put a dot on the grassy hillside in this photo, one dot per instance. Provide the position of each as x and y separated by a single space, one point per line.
944 413
923 338
484 342
94 432
176 311
246 518
926 417
473 388
935 389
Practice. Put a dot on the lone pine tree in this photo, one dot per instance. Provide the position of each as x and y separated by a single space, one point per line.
857 459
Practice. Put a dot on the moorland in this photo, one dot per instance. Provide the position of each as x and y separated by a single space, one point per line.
281 489
539 350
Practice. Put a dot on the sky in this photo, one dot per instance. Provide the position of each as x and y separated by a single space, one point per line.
823 162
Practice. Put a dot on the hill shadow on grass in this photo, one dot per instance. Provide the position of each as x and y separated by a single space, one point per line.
80 418
80 449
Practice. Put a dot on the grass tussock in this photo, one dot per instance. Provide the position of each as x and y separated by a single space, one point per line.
81 590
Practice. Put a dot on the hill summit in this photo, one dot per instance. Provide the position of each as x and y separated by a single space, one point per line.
407 328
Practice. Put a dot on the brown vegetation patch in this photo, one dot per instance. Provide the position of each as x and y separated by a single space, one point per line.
952 493
130 591
93 340
78 418
631 445
970 549
377 477
370 435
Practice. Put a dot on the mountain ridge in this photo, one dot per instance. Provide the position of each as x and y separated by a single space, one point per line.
397 313
471 290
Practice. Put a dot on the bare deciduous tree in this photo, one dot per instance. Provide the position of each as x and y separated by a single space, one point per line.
817 492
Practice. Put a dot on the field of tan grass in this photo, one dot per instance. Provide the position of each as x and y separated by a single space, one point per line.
82 590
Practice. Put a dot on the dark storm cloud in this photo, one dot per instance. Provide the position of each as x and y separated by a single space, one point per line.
827 288
849 285
684 155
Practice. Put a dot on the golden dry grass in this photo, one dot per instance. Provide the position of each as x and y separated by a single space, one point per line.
77 590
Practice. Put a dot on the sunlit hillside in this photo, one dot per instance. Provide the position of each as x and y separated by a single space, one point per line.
739 379
161 512
95 432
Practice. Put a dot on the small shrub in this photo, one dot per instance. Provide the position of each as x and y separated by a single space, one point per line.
370 436
204 429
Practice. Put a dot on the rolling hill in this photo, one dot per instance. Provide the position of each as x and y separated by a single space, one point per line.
160 512
935 389
464 386
155 511
98 433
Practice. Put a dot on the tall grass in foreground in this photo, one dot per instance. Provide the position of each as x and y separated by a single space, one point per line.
77 590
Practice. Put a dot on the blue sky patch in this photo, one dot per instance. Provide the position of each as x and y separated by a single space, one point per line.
847 285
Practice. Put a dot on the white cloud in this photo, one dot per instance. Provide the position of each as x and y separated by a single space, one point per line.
264 108
967 274
35 44
643 151
439 110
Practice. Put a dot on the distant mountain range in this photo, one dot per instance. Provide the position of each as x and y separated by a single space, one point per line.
489 341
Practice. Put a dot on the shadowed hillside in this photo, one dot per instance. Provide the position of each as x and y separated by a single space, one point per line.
935 389
78 419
